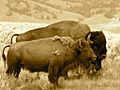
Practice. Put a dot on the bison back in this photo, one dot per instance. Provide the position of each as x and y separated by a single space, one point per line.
73 29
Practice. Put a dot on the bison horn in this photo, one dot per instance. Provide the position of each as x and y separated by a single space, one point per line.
88 39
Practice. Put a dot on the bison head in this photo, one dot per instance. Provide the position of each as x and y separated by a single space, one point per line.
97 42
85 53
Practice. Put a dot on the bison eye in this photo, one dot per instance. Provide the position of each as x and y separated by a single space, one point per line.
95 47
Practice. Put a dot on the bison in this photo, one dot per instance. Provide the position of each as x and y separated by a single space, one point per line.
50 55
73 29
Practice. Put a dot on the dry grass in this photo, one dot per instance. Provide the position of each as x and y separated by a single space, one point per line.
109 78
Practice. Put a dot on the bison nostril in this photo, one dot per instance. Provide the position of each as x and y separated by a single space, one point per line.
95 57
103 56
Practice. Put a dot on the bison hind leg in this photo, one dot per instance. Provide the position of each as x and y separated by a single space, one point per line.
10 70
17 69
14 69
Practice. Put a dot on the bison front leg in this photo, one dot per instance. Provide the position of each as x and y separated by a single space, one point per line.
53 75
64 73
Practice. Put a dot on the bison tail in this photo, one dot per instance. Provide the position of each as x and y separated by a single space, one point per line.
12 37
3 54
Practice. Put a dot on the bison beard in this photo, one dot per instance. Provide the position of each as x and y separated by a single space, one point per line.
38 55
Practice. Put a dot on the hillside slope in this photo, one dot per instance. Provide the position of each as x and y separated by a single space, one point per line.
30 11
56 10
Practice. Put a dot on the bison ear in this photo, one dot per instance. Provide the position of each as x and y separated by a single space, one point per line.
78 47
80 44
83 42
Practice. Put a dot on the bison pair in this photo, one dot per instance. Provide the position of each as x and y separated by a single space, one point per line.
36 55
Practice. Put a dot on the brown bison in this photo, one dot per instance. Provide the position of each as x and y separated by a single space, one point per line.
50 55
73 29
